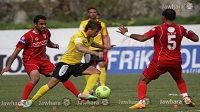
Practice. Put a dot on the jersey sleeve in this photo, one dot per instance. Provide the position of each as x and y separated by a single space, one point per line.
78 40
48 33
81 27
186 33
151 33
104 29
22 42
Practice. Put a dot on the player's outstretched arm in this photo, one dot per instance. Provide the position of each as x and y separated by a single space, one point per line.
106 40
124 31
97 45
11 60
84 49
194 36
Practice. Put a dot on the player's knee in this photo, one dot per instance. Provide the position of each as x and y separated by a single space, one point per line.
35 79
95 71
144 79
50 74
179 80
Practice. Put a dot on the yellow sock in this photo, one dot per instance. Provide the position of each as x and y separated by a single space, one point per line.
87 77
92 80
103 76
40 92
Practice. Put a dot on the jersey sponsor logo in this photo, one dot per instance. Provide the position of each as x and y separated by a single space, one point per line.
41 43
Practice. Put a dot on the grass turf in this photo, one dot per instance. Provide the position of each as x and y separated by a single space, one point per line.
123 95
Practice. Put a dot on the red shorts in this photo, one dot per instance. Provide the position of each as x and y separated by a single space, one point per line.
43 66
154 70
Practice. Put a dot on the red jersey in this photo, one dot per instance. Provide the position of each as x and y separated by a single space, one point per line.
167 42
34 45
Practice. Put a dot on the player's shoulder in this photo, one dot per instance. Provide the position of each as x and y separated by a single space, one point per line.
162 26
85 21
154 28
79 34
28 33
159 26
47 32
103 24
181 26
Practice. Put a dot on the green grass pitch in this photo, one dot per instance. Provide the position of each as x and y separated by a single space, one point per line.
163 94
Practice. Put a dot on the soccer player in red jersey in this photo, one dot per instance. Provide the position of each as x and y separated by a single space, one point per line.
35 60
167 55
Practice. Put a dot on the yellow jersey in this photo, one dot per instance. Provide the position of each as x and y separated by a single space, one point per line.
73 56
98 38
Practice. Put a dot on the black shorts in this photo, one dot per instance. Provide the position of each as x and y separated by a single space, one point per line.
63 71
93 59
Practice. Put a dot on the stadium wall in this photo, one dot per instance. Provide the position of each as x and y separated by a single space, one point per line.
128 57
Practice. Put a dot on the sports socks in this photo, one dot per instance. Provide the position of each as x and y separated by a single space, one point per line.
91 83
44 89
27 90
142 89
71 87
103 76
182 87
86 77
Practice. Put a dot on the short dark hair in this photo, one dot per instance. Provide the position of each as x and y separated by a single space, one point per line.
93 24
91 8
169 14
38 17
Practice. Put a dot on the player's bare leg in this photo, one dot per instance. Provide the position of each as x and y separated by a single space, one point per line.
71 87
34 78
142 88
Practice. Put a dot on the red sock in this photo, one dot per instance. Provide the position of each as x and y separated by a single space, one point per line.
27 90
70 86
181 86
142 88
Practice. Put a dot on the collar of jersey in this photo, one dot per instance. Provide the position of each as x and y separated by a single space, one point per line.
84 34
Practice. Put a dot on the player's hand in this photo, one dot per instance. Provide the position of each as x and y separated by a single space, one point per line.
56 46
110 47
6 69
122 30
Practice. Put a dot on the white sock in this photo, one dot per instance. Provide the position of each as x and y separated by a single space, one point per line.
184 95
142 101
79 94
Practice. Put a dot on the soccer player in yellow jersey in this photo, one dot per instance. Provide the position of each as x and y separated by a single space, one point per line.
103 39
70 62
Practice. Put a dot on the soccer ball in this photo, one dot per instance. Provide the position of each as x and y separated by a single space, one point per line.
102 92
